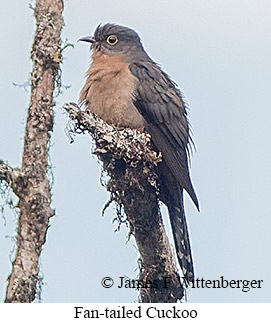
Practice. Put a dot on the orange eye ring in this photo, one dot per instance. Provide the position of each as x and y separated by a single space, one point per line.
112 40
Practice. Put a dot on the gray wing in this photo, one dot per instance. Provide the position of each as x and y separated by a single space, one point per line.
160 102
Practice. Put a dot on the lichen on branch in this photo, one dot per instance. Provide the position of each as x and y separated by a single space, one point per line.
130 161
31 183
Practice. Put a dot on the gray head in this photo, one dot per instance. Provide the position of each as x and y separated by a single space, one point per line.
112 39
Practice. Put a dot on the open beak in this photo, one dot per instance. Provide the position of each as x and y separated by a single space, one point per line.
88 39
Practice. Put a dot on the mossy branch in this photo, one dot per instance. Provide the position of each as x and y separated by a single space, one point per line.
130 161
30 183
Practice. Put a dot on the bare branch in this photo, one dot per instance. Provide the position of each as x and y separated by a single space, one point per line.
11 176
130 161
6 173
34 191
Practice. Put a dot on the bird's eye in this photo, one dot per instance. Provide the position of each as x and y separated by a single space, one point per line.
112 40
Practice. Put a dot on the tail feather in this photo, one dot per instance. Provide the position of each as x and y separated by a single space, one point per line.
171 194
181 239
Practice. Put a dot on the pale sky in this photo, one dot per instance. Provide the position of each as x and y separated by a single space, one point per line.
219 52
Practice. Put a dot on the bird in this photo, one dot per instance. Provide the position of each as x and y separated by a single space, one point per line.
127 89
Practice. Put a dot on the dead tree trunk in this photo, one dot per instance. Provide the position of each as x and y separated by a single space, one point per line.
130 162
30 183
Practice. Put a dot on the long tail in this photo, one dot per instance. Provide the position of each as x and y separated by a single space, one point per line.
180 235
171 194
